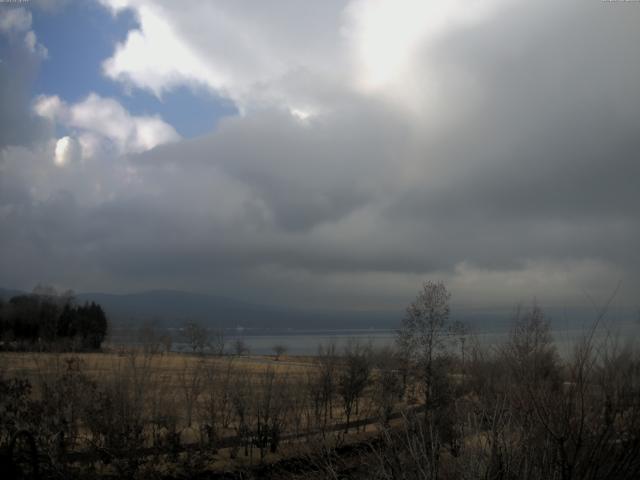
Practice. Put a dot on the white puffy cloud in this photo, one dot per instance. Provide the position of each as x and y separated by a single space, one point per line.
304 56
49 107
255 56
102 124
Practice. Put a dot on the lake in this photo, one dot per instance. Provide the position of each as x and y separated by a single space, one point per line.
305 342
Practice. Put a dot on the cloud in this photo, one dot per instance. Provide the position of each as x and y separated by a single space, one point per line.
386 37
253 56
20 57
16 22
67 151
259 57
103 125
493 147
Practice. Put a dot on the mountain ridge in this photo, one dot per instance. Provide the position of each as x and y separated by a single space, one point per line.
172 308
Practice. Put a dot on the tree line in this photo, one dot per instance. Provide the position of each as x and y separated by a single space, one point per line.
46 319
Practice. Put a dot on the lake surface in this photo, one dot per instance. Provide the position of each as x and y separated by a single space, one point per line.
307 342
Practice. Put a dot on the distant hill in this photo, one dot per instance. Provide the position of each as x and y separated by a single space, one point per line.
6 293
173 308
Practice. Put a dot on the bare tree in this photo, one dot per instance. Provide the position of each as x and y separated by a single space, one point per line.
422 339
216 408
196 336
354 377
218 341
240 347
327 366
530 350
167 341
387 382
269 408
423 333
460 333
279 350
191 383
149 337
240 399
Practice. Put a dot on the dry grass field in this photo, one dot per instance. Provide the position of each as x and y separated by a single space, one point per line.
170 366
236 411
136 413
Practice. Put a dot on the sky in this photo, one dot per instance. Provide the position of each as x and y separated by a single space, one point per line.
322 154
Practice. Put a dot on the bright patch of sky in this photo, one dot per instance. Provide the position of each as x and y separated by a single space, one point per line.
80 36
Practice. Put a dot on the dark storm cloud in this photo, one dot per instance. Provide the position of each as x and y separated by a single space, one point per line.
549 163
304 173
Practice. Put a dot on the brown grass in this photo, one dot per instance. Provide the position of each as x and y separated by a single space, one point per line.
32 365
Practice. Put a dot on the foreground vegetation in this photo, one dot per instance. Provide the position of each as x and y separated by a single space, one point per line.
438 406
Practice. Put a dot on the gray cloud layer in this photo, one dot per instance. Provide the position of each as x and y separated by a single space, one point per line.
516 176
